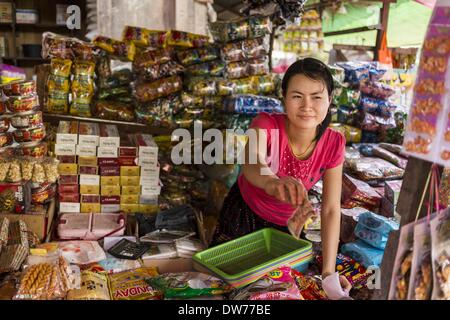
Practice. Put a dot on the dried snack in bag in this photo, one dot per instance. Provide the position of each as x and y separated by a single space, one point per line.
137 35
440 254
94 286
57 102
203 86
27 165
377 223
195 56
158 71
389 156
38 173
187 285
179 39
61 67
112 110
363 253
80 109
83 84
376 89
230 31
146 91
131 285
84 68
149 58
118 49
278 284
214 69
374 168
51 170
58 83
14 172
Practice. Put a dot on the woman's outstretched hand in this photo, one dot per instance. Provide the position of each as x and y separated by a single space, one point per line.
286 189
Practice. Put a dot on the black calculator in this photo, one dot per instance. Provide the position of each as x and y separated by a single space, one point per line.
126 249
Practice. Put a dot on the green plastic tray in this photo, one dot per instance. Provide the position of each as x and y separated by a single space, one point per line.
254 254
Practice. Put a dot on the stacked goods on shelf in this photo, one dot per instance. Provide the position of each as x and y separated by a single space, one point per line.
114 100
26 175
71 83
102 171
428 130
305 37
14 245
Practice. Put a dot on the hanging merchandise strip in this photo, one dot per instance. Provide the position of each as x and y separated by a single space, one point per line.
428 131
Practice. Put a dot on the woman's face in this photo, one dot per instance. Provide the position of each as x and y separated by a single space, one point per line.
306 102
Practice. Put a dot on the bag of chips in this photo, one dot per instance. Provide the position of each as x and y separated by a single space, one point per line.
148 91
112 110
94 286
132 285
119 49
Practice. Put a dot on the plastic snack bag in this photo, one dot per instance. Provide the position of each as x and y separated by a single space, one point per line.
377 223
373 238
118 49
139 36
158 71
213 69
389 156
149 58
112 110
376 89
132 285
421 279
188 285
61 67
58 83
94 286
278 284
84 68
363 253
57 102
440 255
82 252
148 91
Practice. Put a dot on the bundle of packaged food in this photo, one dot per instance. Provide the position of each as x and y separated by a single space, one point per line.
245 50
440 255
132 285
352 134
278 284
242 69
356 193
121 50
374 229
428 129
82 88
254 27
58 46
378 107
13 244
389 156
356 72
188 285
444 189
198 56
47 277
368 169
18 169
159 112
252 104
94 286
148 91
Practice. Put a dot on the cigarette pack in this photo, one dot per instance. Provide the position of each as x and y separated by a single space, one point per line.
109 136
65 149
67 132
107 152
110 190
147 146
88 134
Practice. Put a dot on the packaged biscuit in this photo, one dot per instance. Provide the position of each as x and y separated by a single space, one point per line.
132 285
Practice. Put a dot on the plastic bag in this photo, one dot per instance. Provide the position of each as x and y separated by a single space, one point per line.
252 104
58 83
84 68
118 49
355 72
158 71
188 285
131 285
247 68
244 50
61 67
94 286
368 169
440 255
147 91
376 89
57 102
363 253
82 252
230 31
213 69
112 110
278 284
194 56
377 223
149 58
389 156
137 35
202 86
394 148
378 107
83 84
159 111
421 279
375 239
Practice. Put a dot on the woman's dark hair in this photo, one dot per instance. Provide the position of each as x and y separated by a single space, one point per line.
315 70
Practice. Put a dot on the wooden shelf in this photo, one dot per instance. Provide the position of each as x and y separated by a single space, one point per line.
25 59
128 126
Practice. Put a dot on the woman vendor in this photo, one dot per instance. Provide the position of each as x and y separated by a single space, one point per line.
306 151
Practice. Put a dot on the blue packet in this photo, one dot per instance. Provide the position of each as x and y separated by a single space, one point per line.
363 253
377 223
373 238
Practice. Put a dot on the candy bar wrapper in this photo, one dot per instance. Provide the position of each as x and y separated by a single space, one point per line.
440 253
297 222
119 49
421 280
200 55
427 133
402 266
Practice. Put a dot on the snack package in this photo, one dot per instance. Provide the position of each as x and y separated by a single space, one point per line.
188 285
378 107
161 88
394 148
84 68
132 285
118 49
202 86
61 67
360 191
377 223
213 69
159 111
139 36
149 58
376 89
355 72
298 220
244 50
94 286
421 279
402 266
278 284
373 238
368 169
58 83
195 56
252 104
83 85
389 156
241 69
230 31
310 287
444 189
112 110
57 102
440 255
47 280
363 253
158 71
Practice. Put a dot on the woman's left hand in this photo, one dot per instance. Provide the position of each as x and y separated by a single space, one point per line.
336 287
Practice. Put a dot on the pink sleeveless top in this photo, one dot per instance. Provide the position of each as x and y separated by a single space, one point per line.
328 153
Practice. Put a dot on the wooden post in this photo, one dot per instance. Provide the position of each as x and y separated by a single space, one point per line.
384 16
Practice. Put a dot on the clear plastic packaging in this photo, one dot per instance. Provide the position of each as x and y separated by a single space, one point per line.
148 91
440 255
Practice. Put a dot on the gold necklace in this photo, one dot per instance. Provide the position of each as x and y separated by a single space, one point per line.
292 148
